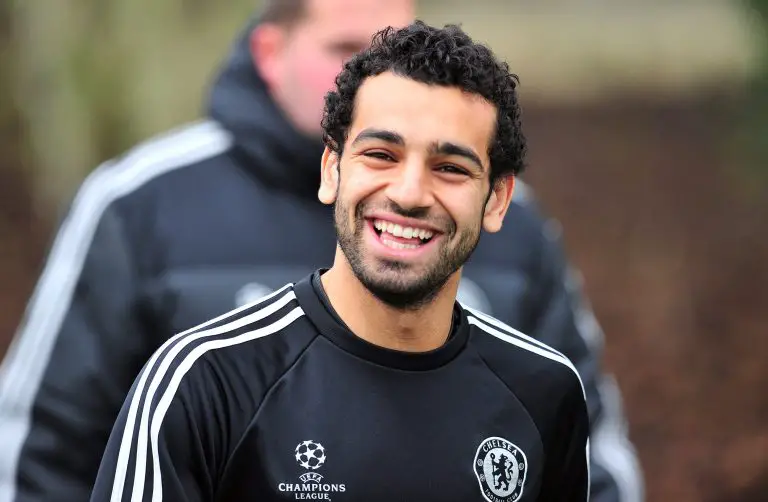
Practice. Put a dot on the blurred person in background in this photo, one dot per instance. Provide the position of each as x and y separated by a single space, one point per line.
153 244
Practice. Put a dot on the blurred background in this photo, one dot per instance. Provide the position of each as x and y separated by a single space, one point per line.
648 126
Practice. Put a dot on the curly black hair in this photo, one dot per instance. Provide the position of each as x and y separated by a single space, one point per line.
436 56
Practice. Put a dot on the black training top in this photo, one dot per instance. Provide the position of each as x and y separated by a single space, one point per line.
278 400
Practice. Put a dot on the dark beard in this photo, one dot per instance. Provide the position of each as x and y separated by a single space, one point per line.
392 292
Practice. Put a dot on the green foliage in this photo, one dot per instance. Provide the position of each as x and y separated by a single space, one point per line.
754 127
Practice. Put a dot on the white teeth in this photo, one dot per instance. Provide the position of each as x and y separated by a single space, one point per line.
398 245
400 231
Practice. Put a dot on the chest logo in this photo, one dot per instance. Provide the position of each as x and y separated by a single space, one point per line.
310 455
500 467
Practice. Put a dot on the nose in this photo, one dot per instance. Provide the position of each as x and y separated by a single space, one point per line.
410 186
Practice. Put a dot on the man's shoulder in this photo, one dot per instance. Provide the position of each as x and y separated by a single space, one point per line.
521 360
248 347
220 371
155 158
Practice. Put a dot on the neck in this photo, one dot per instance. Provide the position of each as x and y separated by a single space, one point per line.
420 330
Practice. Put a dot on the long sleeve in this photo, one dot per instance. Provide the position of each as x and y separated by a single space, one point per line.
567 472
162 444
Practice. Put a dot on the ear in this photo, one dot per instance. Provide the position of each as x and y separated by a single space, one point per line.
498 203
267 42
329 177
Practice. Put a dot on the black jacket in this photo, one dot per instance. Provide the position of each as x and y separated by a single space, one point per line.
192 223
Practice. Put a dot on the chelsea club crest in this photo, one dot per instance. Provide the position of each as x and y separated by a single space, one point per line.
500 467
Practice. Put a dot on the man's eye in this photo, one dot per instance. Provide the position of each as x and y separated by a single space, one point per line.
451 169
379 155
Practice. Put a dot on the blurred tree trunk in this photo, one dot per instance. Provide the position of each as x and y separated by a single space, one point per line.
21 232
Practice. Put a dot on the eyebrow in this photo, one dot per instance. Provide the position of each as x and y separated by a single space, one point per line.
452 149
380 134
444 148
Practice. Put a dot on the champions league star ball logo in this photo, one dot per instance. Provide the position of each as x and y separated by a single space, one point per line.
500 467
310 455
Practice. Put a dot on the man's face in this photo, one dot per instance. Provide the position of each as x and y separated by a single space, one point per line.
412 189
305 61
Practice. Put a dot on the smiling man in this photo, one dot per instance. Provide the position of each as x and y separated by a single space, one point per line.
412 187
369 381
